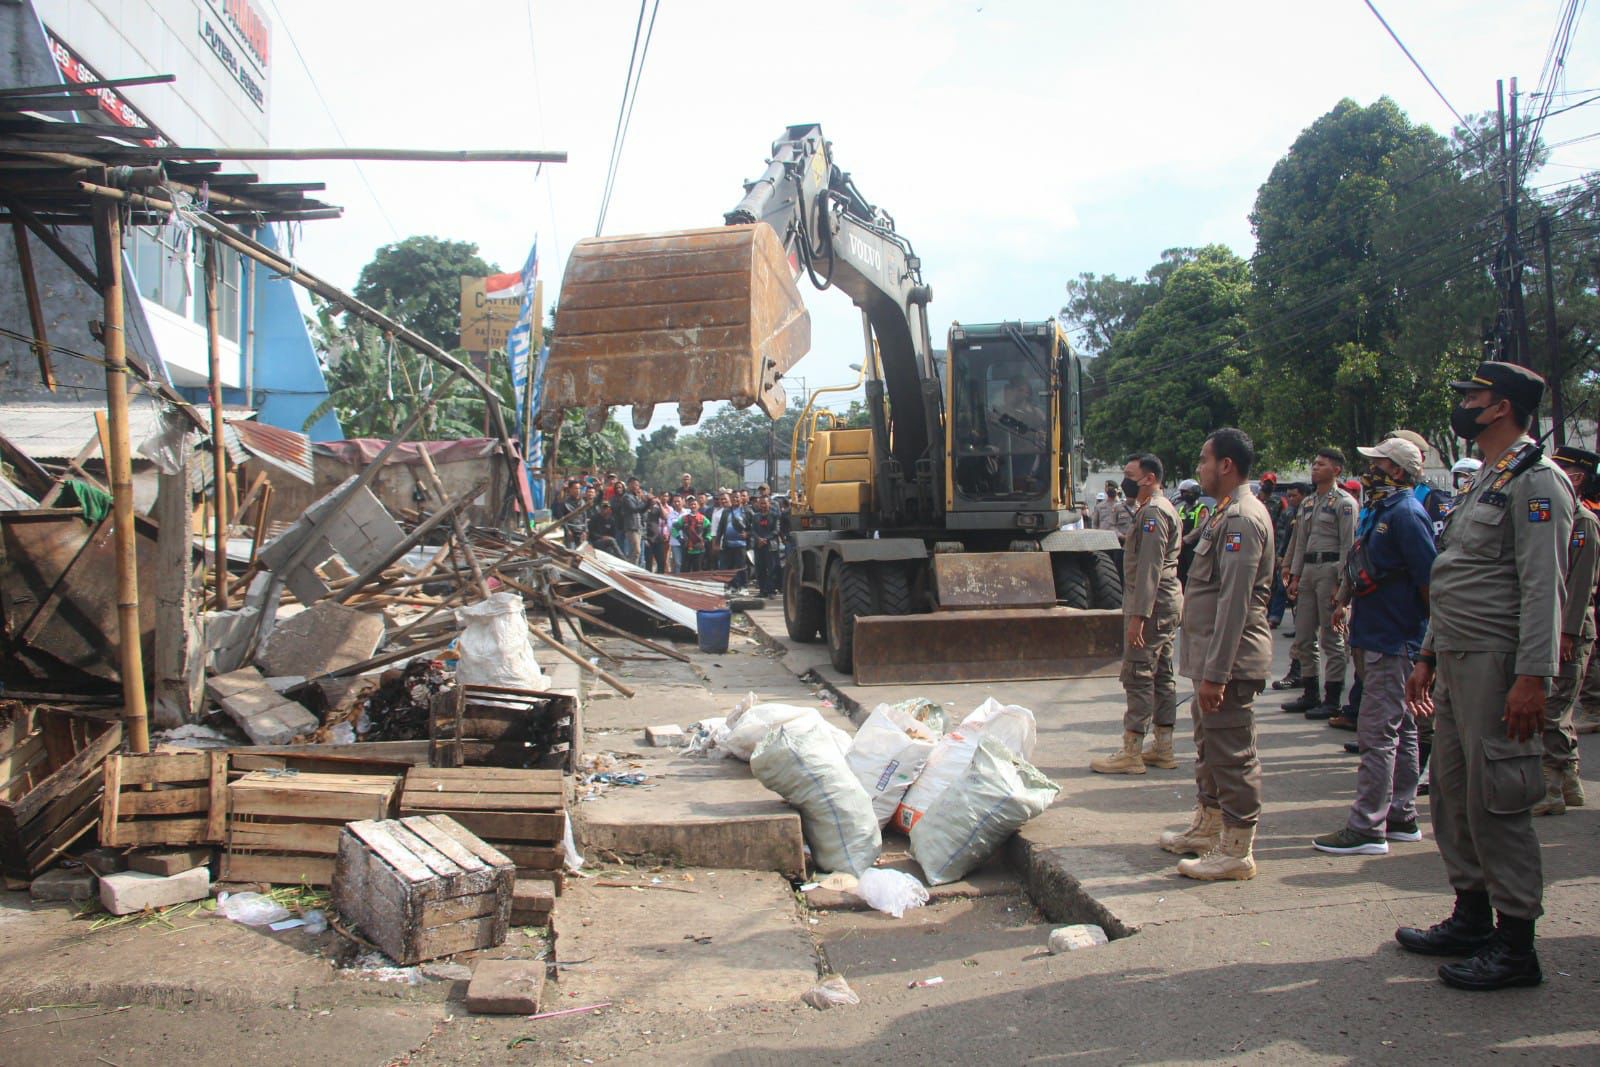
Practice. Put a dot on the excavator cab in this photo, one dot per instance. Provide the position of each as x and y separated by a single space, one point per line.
1001 430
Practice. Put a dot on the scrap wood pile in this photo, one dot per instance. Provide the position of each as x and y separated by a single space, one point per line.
352 651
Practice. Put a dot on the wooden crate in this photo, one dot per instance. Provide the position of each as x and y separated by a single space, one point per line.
50 770
498 726
522 813
284 827
422 887
186 802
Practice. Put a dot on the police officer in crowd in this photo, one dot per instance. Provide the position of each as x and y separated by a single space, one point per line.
1324 532
1493 645
1387 580
1152 605
1227 652
1562 786
1193 512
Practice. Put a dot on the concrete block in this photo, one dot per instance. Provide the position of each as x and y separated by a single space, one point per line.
668 736
103 860
280 725
324 637
233 683
532 901
169 861
63 883
506 987
131 891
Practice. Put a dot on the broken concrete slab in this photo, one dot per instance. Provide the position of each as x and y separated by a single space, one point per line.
131 891
532 901
169 861
322 638
668 736
265 716
63 883
103 860
506 987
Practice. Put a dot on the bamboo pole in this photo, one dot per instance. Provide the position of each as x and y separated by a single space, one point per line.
30 288
219 448
108 243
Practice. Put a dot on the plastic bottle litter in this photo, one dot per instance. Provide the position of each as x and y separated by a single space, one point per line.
890 891
251 909
1072 938
832 992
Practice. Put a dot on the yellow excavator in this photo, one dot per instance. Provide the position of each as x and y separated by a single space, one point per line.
942 543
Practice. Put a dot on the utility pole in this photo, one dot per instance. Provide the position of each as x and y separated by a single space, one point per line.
1522 344
1552 343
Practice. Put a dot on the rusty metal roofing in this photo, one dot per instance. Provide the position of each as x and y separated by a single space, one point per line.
285 449
673 597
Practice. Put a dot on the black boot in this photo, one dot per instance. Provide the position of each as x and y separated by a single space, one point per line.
1508 960
1423 749
1469 928
1290 680
1311 698
1330 703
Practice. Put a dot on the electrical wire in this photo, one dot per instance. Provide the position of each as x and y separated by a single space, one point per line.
1425 77
1554 70
538 106
630 94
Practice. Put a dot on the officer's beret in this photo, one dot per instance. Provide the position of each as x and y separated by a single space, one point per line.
1521 386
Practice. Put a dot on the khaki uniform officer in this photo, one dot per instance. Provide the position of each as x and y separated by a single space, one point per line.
1323 534
1493 644
1562 786
1152 605
1227 652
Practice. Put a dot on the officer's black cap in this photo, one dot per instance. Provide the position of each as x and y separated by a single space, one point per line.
1521 386
1581 458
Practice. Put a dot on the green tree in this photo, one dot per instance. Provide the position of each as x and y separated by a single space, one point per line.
1369 282
417 281
1101 306
582 449
662 439
734 434
1164 383
688 454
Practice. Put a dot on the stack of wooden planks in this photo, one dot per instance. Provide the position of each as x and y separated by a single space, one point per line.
284 826
522 813
164 798
49 781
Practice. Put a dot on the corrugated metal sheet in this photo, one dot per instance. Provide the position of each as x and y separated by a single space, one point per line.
46 430
285 449
673 597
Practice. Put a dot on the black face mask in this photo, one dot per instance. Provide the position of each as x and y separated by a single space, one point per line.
1464 422
1130 488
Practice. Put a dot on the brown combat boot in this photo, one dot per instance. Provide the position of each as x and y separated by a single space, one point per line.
1554 803
1159 753
1229 861
1127 761
1201 837
1571 786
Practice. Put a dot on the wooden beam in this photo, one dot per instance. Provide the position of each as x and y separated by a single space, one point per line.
78 87
54 243
30 288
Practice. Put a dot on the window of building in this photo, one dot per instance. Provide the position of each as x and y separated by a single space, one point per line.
159 268
227 291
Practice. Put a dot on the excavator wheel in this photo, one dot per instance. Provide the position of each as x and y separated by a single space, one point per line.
802 607
849 596
1105 582
1072 581
894 589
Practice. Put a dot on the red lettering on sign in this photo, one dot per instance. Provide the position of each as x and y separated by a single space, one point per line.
253 27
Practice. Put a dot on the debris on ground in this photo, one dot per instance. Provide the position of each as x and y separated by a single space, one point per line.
1072 938
832 992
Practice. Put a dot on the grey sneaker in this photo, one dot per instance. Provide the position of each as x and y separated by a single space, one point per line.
1346 842
1403 830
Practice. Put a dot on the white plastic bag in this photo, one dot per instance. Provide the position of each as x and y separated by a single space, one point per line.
1011 725
748 729
832 992
494 645
989 801
251 909
887 754
891 891
802 763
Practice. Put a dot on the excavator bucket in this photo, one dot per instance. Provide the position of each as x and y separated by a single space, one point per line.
997 621
687 316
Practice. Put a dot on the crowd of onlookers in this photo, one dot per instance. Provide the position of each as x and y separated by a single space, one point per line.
682 530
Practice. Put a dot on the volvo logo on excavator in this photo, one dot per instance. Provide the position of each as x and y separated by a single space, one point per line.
859 249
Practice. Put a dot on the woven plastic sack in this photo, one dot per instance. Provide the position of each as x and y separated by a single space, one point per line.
888 753
991 800
1011 725
495 648
804 766
755 723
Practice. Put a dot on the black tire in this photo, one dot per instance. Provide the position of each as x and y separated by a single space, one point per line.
894 589
802 607
849 596
1072 581
1105 582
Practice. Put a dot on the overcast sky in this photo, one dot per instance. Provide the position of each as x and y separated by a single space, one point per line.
1016 143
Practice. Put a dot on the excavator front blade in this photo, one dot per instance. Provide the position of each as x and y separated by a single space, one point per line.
1009 644
686 317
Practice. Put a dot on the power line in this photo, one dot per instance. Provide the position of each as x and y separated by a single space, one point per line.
284 21
630 93
1437 91
538 105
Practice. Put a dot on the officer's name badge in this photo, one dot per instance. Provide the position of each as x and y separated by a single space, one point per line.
1539 509
1233 542
1149 526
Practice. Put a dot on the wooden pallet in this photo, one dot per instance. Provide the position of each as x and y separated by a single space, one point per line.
498 726
422 887
284 827
49 781
522 813
186 802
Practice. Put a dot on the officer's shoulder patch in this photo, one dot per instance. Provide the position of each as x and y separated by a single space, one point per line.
1233 542
1149 526
1348 509
1539 509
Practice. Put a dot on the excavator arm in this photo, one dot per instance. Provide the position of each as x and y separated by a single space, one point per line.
715 314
